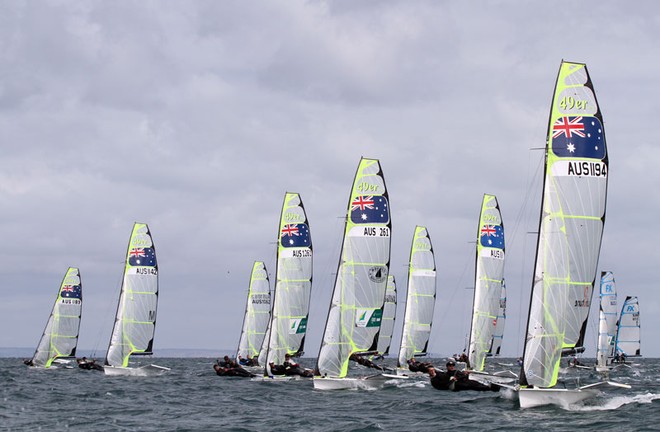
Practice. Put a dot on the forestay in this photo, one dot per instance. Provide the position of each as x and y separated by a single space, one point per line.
420 298
135 322
489 273
606 319
570 228
628 335
293 283
60 337
257 312
358 298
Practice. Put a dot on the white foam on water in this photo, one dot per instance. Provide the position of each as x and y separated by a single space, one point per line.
617 402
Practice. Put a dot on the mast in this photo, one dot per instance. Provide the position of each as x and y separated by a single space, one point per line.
293 283
358 299
135 321
257 312
488 275
570 227
60 336
420 298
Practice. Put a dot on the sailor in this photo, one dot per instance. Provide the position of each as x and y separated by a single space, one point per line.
415 366
365 361
293 368
276 369
456 380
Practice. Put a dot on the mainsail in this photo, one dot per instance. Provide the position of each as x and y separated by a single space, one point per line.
420 298
293 283
389 316
607 319
628 338
135 322
60 337
489 274
570 227
498 333
257 313
358 298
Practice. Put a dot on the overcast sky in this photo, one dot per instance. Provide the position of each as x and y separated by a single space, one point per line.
196 117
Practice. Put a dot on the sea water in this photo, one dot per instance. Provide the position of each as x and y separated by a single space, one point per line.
191 397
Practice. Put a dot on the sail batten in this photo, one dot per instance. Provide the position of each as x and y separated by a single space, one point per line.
135 322
60 336
293 284
358 299
570 227
420 298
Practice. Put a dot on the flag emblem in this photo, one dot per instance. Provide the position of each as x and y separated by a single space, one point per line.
492 236
578 137
142 257
370 209
295 235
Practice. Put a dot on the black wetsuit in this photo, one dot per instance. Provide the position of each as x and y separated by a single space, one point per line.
442 381
419 367
233 371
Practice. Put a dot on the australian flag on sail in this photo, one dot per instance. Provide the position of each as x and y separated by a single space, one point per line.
579 137
71 291
368 209
142 257
295 235
492 236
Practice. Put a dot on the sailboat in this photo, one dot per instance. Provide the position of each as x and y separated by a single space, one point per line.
570 233
257 313
293 285
606 321
60 337
389 317
498 333
420 299
628 332
356 309
489 274
135 321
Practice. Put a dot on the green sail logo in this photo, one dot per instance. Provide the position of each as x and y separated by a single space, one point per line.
368 318
298 326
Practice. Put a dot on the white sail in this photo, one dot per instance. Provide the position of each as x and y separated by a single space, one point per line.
420 298
257 313
60 337
570 227
607 319
293 283
489 274
135 322
628 335
358 298
498 333
389 316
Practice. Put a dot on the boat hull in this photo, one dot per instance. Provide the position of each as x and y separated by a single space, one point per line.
373 382
534 397
148 370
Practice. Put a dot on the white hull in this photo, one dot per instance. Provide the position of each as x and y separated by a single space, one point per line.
373 382
148 370
562 397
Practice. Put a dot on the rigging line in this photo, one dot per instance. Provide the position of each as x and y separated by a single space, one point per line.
109 311
533 180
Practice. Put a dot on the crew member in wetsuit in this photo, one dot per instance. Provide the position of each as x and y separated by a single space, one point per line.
456 380
415 366
276 369
293 368
365 362
232 371
88 364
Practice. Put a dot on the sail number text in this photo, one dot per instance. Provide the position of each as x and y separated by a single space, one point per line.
568 103
376 232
